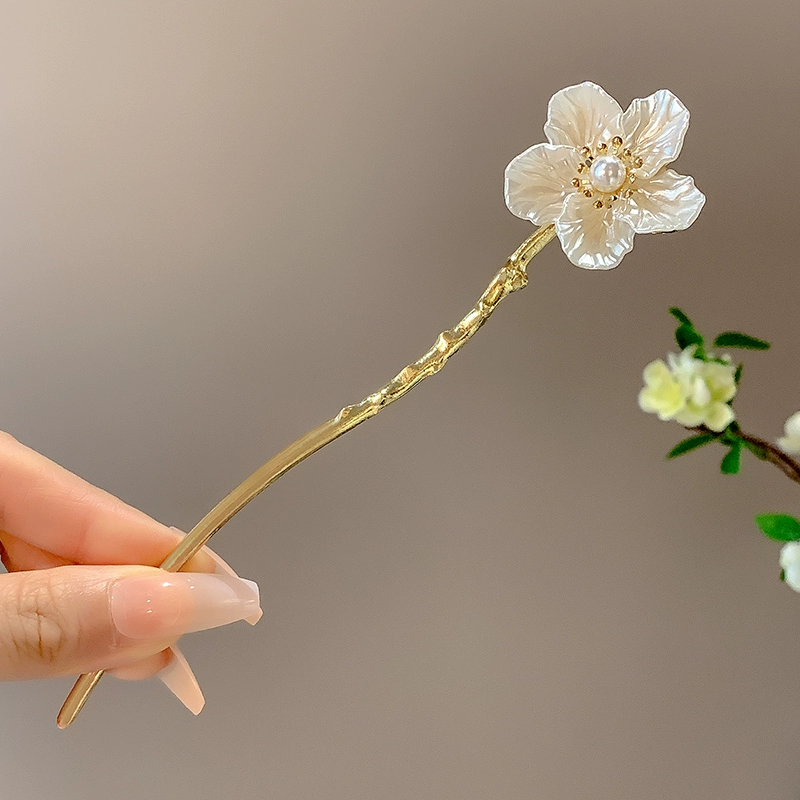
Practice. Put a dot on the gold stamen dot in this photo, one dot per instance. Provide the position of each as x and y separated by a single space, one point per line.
629 193
598 204
576 182
631 178
627 154
638 162
617 141
603 147
588 193
581 167
585 151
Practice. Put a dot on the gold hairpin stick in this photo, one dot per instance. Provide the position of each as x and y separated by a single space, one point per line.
511 277
600 178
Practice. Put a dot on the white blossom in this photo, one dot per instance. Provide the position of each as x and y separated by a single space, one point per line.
601 177
790 564
790 442
689 390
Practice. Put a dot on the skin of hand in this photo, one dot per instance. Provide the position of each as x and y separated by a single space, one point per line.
83 591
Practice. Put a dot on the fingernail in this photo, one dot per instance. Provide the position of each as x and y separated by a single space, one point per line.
167 604
223 568
178 677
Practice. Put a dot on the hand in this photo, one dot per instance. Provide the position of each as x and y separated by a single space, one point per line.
72 601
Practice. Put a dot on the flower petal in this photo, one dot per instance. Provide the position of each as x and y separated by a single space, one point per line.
583 116
789 444
719 416
792 425
790 555
593 238
662 394
665 202
700 395
538 181
792 578
654 129
720 380
690 416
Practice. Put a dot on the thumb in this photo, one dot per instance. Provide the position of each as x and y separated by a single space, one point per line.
73 619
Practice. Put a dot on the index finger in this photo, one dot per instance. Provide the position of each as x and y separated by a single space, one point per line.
50 508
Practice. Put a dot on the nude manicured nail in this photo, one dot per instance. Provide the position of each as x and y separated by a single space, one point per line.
223 568
178 677
160 606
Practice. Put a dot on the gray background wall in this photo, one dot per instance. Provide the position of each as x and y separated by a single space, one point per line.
220 222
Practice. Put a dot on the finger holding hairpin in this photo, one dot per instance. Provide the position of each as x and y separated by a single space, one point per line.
170 665
76 597
221 567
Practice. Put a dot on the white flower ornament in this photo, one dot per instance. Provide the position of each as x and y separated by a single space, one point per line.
790 564
601 178
790 441
690 390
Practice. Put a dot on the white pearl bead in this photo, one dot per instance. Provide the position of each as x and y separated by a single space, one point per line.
607 174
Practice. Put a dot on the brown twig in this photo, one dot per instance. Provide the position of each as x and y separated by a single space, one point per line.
772 453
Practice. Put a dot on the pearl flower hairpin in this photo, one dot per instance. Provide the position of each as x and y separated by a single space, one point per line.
599 180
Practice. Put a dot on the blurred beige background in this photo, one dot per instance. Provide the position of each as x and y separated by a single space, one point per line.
220 222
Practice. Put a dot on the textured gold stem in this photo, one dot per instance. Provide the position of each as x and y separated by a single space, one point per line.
511 277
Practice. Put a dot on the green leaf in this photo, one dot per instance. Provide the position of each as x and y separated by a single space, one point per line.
692 443
737 376
757 450
779 526
730 464
735 339
686 335
782 576
680 316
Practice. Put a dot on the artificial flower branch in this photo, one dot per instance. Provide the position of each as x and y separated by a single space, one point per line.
696 388
511 277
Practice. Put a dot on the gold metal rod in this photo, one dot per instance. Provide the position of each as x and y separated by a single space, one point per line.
510 278
77 697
